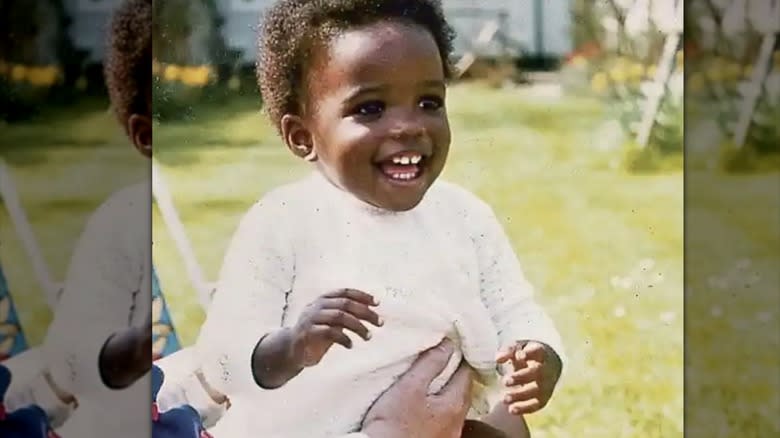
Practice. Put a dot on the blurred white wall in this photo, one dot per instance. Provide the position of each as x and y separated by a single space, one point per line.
241 19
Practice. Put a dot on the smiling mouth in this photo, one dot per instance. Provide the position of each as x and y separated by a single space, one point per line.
403 167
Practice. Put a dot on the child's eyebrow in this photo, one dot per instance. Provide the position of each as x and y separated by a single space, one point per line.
355 92
434 83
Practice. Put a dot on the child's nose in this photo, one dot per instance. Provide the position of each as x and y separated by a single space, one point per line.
407 126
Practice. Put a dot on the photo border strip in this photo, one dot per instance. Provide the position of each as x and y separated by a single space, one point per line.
732 218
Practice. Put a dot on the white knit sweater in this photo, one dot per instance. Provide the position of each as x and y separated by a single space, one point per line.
107 289
444 268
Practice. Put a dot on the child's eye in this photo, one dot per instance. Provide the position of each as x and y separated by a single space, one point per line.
431 103
372 108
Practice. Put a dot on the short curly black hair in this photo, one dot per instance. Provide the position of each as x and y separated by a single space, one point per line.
128 62
292 29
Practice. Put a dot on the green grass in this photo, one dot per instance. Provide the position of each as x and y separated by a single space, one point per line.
64 164
575 223
733 332
603 247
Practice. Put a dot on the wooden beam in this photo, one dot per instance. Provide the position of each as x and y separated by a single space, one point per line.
753 91
486 34
21 224
658 90
164 201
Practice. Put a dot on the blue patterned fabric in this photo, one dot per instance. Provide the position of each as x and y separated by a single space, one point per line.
165 341
27 422
179 422
12 339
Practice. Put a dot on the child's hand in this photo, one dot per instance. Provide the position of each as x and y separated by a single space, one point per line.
536 369
323 321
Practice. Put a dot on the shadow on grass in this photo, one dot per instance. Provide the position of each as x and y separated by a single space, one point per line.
234 122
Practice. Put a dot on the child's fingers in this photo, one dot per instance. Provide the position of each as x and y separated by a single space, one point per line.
337 335
520 358
505 355
357 309
534 351
355 295
342 319
522 393
514 353
525 407
525 375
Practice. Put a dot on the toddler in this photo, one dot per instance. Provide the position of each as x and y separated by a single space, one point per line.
371 251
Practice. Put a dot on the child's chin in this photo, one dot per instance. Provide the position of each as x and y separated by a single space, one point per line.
405 202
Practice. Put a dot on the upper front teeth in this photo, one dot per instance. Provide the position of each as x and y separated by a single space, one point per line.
406 160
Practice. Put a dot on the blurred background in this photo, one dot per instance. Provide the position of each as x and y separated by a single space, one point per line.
567 118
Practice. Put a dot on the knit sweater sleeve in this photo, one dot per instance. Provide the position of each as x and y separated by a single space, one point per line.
256 276
102 293
504 289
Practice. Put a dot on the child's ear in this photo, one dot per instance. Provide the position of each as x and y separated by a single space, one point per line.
297 137
139 128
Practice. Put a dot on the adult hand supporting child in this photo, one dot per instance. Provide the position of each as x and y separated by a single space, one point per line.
281 355
406 410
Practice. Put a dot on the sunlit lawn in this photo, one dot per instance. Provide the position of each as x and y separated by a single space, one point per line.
604 248
63 165
575 222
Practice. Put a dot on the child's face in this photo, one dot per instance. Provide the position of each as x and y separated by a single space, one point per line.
374 114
